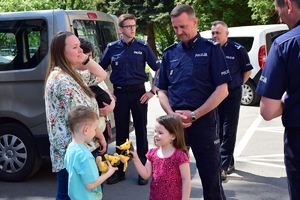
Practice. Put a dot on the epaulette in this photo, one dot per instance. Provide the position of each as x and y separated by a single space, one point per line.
237 45
210 41
141 42
171 46
113 43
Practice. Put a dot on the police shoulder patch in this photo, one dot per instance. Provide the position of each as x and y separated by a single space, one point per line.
237 45
141 42
210 41
171 46
113 43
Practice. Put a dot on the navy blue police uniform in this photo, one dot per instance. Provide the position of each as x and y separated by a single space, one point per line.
238 63
281 74
190 75
128 78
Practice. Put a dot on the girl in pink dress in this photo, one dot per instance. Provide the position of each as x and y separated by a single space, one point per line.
168 163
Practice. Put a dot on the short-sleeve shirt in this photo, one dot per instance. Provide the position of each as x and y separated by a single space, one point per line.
166 178
82 169
238 62
128 62
282 74
62 93
191 74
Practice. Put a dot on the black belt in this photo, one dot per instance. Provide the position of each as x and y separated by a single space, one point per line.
129 88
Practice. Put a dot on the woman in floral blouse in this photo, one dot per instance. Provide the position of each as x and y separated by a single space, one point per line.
65 88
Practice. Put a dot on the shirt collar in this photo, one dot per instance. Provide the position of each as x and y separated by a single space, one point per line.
128 44
192 42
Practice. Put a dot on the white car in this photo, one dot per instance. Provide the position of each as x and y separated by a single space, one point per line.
257 39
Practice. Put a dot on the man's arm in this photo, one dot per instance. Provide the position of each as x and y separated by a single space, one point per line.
164 101
247 75
213 101
270 108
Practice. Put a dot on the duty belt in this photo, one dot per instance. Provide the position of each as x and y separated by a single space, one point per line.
129 88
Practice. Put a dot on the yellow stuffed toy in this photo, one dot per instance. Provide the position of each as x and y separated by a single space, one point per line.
102 165
115 159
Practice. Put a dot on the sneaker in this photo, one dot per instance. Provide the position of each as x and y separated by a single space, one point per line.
230 169
224 175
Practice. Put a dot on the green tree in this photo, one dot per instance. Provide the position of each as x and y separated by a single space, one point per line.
233 12
263 12
25 5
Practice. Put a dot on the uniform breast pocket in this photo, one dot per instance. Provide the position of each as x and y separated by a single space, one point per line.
116 62
201 69
138 59
174 71
232 66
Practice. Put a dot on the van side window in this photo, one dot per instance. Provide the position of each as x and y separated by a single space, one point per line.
99 33
23 43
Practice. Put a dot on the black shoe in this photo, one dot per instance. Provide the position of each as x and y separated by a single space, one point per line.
230 169
142 181
115 178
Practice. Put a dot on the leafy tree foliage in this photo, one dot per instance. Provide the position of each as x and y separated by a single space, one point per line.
263 12
25 5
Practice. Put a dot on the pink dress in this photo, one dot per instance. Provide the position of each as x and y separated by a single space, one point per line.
166 179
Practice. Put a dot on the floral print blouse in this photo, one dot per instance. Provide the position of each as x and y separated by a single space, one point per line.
62 93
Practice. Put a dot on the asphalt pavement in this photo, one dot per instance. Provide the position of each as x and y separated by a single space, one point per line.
259 175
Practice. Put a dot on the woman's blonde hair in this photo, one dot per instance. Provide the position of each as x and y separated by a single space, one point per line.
57 58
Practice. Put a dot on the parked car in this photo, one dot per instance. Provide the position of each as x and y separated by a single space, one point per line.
25 40
257 39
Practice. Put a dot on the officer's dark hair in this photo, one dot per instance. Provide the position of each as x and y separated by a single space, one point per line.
173 124
81 116
215 23
282 3
182 8
86 46
124 17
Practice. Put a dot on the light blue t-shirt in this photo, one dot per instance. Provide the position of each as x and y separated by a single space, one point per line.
82 169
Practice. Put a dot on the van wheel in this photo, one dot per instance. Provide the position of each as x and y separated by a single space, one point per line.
249 97
19 157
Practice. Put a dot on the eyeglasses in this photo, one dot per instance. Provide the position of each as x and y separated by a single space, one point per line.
130 26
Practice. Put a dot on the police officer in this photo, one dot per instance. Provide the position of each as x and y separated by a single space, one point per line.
127 58
192 81
279 86
240 69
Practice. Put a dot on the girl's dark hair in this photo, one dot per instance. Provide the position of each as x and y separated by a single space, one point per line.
57 59
173 124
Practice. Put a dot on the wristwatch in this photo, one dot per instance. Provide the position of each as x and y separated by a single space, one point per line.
193 116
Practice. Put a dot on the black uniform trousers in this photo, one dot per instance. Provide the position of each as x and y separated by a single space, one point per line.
203 138
129 100
229 110
292 161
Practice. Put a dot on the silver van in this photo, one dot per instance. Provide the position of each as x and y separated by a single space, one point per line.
24 50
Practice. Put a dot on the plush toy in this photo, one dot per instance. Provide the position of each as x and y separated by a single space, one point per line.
114 160
124 159
125 147
102 165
